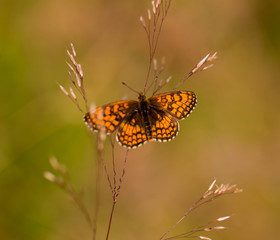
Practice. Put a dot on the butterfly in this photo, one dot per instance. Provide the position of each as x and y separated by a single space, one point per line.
145 120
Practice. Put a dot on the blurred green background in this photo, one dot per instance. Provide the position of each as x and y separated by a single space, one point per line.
233 135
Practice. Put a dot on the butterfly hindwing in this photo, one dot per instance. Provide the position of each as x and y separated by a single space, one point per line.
108 117
164 126
178 104
131 132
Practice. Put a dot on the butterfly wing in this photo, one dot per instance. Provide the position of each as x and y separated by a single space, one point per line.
164 126
125 116
108 117
178 104
131 132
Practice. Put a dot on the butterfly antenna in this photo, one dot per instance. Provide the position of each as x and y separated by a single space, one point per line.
123 83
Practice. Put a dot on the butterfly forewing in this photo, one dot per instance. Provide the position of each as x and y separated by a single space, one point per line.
108 117
179 104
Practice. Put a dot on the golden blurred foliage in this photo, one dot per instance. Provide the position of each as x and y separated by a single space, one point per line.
233 135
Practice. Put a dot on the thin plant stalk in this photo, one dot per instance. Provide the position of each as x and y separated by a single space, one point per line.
207 197
153 29
116 192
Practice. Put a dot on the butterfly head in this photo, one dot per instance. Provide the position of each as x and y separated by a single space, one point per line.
141 97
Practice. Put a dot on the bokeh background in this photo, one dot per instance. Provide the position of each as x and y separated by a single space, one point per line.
233 135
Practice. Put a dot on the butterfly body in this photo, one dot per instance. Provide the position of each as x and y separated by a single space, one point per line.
147 119
144 111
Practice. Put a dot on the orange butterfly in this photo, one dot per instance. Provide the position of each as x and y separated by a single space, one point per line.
138 122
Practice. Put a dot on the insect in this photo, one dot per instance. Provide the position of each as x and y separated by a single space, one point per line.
145 120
